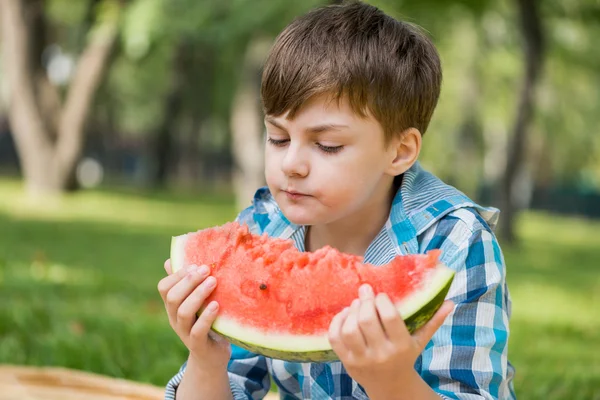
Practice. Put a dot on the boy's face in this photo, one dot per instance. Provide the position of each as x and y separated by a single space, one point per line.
327 163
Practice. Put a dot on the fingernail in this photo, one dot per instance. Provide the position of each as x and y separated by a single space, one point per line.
355 303
382 297
212 306
203 270
365 290
449 306
210 282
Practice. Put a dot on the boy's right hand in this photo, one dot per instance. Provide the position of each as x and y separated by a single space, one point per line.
184 294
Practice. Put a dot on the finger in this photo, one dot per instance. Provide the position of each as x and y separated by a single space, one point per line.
186 313
335 333
165 284
424 334
218 339
168 266
183 288
351 334
201 328
391 320
365 292
368 320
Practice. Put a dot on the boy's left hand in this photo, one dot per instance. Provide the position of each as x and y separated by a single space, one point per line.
373 343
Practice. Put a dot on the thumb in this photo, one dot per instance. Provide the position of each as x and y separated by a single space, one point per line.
424 334
218 339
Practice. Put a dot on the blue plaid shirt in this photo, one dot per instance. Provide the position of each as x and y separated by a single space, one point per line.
467 356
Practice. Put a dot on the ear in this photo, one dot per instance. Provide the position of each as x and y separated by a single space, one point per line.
405 150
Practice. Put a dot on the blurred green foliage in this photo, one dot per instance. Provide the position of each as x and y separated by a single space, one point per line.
480 46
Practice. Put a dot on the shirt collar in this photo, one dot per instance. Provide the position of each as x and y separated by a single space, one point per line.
420 202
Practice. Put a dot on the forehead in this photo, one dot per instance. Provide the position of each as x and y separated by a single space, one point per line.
325 109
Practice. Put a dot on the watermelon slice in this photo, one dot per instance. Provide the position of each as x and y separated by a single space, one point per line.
277 301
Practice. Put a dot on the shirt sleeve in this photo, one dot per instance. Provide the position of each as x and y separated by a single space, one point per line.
467 356
248 376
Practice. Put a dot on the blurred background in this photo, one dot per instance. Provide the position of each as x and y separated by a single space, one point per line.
125 122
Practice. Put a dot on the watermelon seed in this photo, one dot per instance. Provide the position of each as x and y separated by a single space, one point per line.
263 286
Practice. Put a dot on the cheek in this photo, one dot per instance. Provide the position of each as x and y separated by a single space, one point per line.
347 181
272 165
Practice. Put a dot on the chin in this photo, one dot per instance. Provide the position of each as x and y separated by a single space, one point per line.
301 217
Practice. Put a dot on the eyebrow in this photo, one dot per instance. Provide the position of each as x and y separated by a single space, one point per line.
312 129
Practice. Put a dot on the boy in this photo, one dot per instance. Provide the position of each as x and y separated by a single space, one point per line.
348 93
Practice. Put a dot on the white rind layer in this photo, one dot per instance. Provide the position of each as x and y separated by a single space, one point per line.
298 343
438 279
178 252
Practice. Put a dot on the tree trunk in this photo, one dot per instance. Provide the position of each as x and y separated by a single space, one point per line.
247 126
31 138
531 29
468 146
49 138
163 143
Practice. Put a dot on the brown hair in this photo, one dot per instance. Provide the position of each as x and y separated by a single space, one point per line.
387 66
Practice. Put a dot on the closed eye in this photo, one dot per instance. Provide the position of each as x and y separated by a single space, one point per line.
326 149
330 149
278 142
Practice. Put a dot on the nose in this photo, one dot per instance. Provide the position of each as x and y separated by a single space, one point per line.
294 163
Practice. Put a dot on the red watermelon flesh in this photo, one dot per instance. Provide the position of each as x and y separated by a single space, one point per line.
266 285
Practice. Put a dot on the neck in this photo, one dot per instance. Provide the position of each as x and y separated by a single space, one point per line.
354 233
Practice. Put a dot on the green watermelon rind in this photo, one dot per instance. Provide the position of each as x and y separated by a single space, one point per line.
414 322
295 348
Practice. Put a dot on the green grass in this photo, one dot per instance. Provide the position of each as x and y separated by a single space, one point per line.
554 279
78 289
78 280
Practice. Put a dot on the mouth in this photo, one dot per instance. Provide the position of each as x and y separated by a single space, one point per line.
295 195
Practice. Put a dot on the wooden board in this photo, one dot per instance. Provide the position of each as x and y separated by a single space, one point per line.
50 383
41 383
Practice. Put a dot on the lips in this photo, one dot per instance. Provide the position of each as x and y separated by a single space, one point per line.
294 195
293 192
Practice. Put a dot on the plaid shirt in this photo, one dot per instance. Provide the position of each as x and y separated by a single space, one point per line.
467 356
